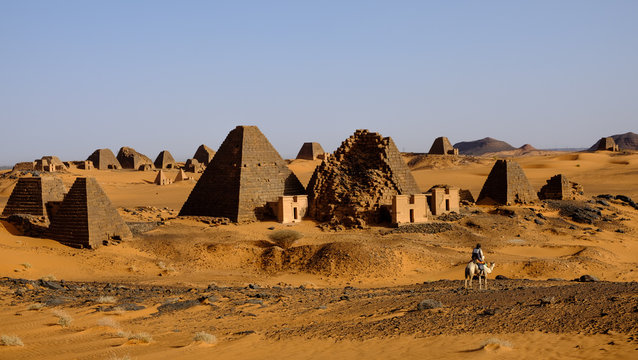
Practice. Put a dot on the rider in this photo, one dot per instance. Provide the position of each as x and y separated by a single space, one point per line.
477 256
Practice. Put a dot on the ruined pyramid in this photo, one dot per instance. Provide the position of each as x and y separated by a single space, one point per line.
86 218
161 178
506 184
310 151
351 186
104 159
244 175
165 160
204 154
131 159
442 146
30 195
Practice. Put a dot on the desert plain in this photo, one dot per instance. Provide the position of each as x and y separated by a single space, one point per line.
367 293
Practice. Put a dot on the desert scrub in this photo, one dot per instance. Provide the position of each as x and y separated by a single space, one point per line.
142 337
106 300
10 340
496 341
164 267
205 337
429 304
284 238
64 319
26 265
49 277
35 306
108 322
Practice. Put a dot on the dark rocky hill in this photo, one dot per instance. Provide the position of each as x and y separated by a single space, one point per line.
482 146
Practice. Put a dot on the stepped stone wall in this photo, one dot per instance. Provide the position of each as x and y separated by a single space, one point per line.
244 175
310 151
558 187
204 154
86 218
506 184
103 159
442 146
31 195
165 160
351 186
131 159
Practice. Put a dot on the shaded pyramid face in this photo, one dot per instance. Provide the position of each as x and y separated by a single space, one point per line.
86 218
165 160
244 175
364 173
30 195
310 151
104 159
204 154
441 146
506 184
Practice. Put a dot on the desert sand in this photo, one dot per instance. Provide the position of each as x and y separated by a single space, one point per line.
267 300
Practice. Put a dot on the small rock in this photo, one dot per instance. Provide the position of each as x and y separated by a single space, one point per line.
501 277
547 300
587 278
539 221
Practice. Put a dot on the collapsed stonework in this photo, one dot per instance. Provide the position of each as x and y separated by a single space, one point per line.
442 146
131 159
204 154
350 187
558 187
506 184
194 166
311 151
103 159
165 160
243 176
50 164
86 218
607 143
32 194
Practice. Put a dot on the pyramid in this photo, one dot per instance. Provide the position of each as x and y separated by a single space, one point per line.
506 184
204 154
161 179
181 176
607 143
351 186
442 146
165 160
30 195
131 159
558 187
104 159
245 174
310 151
86 218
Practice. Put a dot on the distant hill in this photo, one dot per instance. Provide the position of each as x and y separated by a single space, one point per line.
626 141
483 146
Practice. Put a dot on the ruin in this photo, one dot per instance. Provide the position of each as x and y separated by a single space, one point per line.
161 179
146 167
407 209
351 187
83 164
245 174
442 146
50 164
103 159
165 160
444 199
181 176
86 218
204 155
607 144
194 166
24 166
290 209
311 151
558 187
506 184
32 194
131 159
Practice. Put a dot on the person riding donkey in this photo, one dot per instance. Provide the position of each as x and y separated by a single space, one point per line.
477 257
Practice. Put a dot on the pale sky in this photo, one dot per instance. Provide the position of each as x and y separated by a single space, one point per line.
80 75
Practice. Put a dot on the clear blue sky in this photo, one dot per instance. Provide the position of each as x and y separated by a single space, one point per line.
154 75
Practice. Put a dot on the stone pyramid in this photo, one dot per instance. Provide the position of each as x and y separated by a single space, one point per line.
30 195
104 159
86 218
310 151
607 143
161 178
131 159
181 176
204 154
351 186
506 184
558 187
245 174
165 160
442 146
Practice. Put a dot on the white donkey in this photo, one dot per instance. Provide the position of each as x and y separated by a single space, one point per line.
472 269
